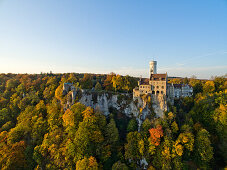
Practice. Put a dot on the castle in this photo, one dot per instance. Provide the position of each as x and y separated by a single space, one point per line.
158 86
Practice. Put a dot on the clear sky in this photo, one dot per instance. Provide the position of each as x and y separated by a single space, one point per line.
102 36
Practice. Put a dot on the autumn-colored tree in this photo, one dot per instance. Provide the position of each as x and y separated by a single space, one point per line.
174 127
155 135
68 118
209 87
59 92
87 164
108 82
86 82
12 156
88 136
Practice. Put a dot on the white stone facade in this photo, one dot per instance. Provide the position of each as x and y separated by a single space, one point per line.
180 90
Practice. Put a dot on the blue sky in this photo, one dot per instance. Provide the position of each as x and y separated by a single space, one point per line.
99 36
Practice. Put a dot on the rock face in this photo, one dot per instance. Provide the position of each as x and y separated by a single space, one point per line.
139 108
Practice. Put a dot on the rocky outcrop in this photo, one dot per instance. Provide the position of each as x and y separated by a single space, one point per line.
139 108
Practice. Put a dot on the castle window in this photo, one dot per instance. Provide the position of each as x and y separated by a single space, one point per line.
157 87
157 92
162 87
153 92
161 92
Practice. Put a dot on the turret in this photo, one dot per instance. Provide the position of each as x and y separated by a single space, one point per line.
153 67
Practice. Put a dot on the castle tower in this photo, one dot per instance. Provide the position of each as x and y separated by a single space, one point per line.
153 67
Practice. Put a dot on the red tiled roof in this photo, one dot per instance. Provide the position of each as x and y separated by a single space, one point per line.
144 81
158 76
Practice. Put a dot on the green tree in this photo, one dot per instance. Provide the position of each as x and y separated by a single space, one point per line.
174 127
4 116
203 149
132 125
146 125
98 86
112 133
119 166
11 83
133 148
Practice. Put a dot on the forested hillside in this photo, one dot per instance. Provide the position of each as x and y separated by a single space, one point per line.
37 133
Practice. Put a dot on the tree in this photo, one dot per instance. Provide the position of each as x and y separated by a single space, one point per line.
12 156
88 136
209 87
59 92
11 83
108 82
4 116
72 78
87 164
197 86
146 125
119 166
68 118
155 135
203 148
132 125
98 86
133 147
220 83
185 80
117 81
7 126
38 130
86 82
174 127
112 133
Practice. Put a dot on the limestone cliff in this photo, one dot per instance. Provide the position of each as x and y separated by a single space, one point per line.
139 108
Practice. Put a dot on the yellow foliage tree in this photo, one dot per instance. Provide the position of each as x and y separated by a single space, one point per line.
87 164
